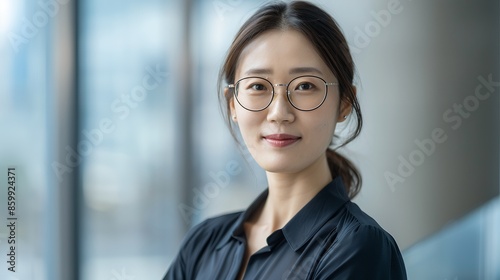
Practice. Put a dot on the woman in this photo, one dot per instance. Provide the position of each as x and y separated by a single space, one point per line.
289 79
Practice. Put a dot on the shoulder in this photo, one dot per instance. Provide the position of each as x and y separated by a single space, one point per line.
199 241
357 231
362 249
354 221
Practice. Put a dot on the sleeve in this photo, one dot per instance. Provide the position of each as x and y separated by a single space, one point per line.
191 246
366 252
177 269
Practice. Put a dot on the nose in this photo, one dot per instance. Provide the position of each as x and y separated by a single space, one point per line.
280 110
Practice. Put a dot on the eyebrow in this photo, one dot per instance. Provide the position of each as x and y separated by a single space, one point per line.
258 71
301 70
297 70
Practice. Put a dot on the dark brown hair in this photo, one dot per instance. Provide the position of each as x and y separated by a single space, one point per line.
325 35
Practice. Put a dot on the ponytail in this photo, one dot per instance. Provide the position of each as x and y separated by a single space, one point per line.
341 166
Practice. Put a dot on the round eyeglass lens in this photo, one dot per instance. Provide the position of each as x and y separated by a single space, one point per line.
254 93
307 92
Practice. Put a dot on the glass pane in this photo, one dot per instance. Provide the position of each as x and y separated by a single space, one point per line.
468 249
25 140
131 226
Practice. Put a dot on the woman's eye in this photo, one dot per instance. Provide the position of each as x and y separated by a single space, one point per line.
305 86
258 87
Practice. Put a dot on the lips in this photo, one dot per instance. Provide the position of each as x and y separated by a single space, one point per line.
281 140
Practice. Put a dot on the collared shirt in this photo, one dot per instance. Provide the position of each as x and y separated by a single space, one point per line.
329 238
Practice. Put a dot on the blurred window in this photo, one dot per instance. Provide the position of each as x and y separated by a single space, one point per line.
129 87
26 136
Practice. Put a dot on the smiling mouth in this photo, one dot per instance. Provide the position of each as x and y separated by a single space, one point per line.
281 140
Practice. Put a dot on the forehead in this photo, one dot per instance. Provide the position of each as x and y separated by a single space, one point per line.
280 52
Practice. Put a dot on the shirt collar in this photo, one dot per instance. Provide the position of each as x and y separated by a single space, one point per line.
237 230
302 227
307 222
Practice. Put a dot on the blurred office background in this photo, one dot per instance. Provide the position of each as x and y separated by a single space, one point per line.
109 112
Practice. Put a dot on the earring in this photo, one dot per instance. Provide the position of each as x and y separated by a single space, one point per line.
234 117
345 117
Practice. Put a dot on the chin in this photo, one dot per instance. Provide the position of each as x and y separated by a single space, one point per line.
281 170
280 165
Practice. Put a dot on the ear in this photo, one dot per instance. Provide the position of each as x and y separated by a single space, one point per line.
345 107
232 111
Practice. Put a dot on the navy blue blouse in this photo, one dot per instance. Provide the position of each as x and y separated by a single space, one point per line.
329 238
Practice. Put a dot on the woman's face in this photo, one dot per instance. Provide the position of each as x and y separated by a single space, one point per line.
281 138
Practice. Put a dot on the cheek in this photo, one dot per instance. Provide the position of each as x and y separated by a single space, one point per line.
247 119
325 128
248 124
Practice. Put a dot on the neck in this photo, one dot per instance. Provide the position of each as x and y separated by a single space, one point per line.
290 192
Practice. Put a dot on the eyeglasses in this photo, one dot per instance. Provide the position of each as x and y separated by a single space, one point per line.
305 93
